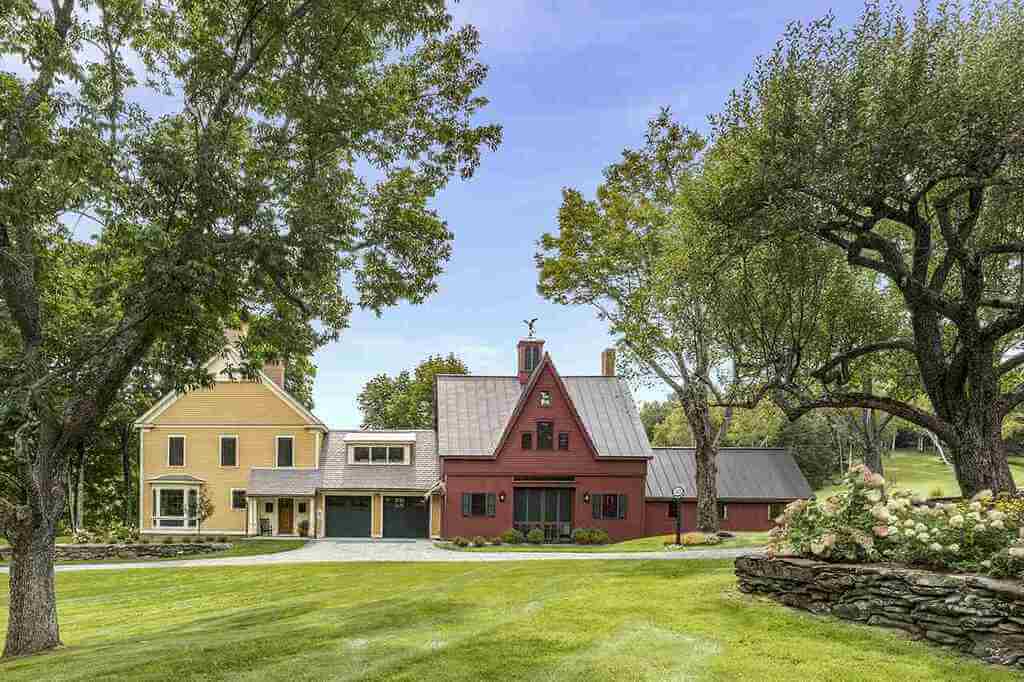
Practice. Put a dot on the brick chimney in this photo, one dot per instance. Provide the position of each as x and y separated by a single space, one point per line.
275 370
530 352
608 362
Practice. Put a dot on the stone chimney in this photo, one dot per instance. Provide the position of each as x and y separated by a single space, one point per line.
608 362
275 370
530 352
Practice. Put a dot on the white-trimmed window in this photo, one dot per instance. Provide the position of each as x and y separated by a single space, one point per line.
378 454
238 499
229 451
723 510
175 451
174 507
285 456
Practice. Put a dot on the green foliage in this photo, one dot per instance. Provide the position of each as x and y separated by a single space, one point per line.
590 536
535 536
496 540
653 413
479 541
407 400
513 537
460 541
809 440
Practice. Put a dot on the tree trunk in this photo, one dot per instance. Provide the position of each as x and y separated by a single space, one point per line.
980 459
873 455
32 625
706 457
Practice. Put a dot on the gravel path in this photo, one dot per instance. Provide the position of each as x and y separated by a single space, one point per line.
321 551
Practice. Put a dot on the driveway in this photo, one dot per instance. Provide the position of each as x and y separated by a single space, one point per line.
321 551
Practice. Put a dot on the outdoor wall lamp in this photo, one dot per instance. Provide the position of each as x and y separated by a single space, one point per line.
586 497
501 496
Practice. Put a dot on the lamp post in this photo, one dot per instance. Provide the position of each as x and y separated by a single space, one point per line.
677 495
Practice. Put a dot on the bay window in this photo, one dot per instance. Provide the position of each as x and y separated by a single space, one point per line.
174 507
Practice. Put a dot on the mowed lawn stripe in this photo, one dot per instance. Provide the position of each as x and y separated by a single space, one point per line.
511 620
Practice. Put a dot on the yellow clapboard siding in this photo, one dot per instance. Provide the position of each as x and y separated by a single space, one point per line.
231 402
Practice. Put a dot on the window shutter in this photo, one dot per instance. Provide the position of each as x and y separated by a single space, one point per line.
467 502
155 492
595 505
491 511
622 506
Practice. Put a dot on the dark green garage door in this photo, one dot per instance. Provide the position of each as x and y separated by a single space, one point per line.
406 517
348 517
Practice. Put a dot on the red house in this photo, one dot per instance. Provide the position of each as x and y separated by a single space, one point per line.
541 450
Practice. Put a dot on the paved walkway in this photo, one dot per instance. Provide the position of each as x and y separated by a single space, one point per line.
320 551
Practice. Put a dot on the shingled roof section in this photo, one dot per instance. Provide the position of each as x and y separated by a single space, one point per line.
743 474
283 482
472 412
420 475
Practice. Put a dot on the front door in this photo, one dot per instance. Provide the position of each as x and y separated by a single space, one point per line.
549 509
285 515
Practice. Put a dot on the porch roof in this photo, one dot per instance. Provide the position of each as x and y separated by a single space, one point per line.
176 478
283 482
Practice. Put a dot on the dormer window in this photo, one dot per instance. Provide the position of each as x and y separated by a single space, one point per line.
545 398
378 454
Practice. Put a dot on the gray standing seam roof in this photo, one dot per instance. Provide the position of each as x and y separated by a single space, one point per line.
420 475
283 481
743 473
472 412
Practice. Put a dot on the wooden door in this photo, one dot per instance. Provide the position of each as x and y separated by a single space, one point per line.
285 515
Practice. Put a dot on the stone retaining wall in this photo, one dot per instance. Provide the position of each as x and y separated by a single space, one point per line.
977 615
135 551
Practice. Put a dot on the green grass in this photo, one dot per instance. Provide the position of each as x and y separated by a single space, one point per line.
655 543
923 473
615 620
238 548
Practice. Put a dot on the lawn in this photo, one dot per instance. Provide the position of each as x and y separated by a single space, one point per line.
924 473
615 620
238 548
655 543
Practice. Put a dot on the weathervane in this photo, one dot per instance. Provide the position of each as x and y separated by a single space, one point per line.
529 325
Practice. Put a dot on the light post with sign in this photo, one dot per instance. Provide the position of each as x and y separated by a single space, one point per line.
677 495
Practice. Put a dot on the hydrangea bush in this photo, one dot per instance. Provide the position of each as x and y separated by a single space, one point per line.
864 523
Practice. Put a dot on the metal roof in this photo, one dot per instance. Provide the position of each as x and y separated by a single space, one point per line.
283 481
176 478
743 473
421 474
472 412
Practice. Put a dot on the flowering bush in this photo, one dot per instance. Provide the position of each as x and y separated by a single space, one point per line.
863 523
698 538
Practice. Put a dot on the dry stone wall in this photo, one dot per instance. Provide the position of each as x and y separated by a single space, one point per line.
134 551
977 615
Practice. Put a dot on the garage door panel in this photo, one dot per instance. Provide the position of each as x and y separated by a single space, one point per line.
348 517
406 517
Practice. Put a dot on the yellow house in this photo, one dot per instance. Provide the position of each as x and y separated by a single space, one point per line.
270 467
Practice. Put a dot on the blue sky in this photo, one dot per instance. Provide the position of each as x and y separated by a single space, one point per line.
573 82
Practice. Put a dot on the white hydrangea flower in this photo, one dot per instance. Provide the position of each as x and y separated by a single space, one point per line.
956 521
954 548
935 547
997 525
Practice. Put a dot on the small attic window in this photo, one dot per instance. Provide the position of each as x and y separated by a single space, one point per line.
545 398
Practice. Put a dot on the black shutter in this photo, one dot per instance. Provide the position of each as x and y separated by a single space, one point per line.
595 505
622 506
491 504
467 503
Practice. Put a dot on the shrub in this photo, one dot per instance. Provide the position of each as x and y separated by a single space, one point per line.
535 536
496 540
479 541
460 542
582 536
119 533
513 537
860 523
167 540
304 527
696 538
599 537
223 539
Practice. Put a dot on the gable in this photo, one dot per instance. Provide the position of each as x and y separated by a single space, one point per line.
230 402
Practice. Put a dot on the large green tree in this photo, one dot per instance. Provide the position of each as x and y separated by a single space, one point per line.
406 400
283 170
897 146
